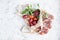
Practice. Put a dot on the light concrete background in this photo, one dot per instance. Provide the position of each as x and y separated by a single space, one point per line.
10 22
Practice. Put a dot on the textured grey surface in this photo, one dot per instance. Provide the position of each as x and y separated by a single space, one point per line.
10 22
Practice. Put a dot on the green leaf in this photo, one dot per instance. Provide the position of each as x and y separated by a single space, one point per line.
38 5
28 10
31 11
27 7
25 11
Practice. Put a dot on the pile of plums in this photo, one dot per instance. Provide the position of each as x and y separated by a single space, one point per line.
33 19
